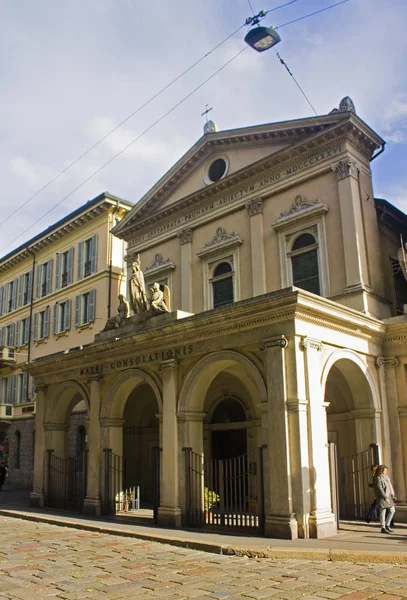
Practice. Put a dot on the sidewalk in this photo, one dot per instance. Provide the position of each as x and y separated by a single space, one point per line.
355 541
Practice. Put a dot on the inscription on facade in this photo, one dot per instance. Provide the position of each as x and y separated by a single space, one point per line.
241 193
135 361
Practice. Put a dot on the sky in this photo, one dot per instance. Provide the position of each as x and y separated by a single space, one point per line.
72 71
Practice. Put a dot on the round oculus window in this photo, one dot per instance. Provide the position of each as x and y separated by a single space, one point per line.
217 169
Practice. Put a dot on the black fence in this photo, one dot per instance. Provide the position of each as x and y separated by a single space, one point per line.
66 481
355 480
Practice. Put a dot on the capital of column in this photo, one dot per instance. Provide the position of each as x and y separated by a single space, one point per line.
346 168
298 405
277 342
168 365
191 416
41 388
387 361
185 236
111 422
308 342
98 377
56 427
255 206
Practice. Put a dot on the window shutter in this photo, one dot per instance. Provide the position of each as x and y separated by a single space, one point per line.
30 284
80 260
49 276
94 253
20 291
38 283
13 388
70 266
18 334
58 272
5 298
2 335
46 322
55 320
32 388
12 338
67 324
14 296
92 305
1 299
27 331
24 387
35 327
77 311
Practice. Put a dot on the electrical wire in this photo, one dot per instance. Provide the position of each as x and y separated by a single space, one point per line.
126 147
160 118
283 62
156 95
280 6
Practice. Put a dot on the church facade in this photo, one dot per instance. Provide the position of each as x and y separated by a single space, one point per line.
264 370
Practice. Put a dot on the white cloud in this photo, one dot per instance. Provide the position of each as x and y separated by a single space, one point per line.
24 169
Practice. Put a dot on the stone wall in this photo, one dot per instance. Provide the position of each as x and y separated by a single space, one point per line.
20 473
76 420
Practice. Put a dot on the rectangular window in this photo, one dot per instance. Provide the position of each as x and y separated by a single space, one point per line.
62 317
11 389
87 257
21 392
85 308
41 324
10 338
44 279
24 289
64 269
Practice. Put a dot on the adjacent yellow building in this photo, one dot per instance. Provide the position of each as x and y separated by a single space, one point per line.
255 386
56 291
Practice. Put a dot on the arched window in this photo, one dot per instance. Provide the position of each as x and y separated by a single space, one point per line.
229 411
304 263
18 449
222 284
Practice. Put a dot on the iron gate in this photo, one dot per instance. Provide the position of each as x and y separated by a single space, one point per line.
355 492
117 487
225 493
66 481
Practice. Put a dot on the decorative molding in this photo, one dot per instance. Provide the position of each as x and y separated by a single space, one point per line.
299 205
41 388
300 209
166 365
255 206
220 241
345 105
191 416
111 422
387 361
159 263
298 405
56 426
279 342
308 342
185 236
346 168
97 377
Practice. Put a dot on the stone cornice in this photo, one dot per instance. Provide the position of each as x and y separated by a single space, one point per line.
347 127
248 316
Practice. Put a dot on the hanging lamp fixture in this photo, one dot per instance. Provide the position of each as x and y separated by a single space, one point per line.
261 38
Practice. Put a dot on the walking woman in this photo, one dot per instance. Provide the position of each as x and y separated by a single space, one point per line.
385 498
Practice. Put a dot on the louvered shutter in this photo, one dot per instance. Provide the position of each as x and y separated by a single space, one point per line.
94 253
11 335
1 299
46 322
27 330
58 272
14 294
38 283
55 319
67 323
30 284
70 266
2 335
80 259
5 298
20 290
32 387
24 388
49 276
19 342
35 327
13 393
92 305
77 311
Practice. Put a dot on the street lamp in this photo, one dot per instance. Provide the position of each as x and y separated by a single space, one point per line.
261 38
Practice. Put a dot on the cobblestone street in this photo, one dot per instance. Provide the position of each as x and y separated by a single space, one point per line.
44 561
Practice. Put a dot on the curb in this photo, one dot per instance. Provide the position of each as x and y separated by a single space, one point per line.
323 554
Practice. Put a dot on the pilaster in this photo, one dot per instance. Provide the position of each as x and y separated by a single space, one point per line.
92 502
356 267
258 266
387 373
37 495
185 238
280 521
169 512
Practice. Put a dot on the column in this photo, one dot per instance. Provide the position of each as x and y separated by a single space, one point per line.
322 522
169 512
185 238
255 210
92 502
280 522
387 373
37 495
356 268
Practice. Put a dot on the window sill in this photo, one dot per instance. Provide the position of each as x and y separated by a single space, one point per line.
62 333
85 326
43 340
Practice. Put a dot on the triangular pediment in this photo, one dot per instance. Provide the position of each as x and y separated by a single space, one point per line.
236 151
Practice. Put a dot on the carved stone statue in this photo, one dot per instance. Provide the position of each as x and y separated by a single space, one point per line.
122 313
159 301
138 298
